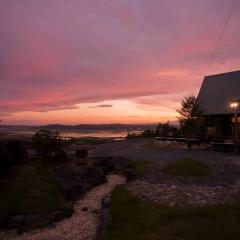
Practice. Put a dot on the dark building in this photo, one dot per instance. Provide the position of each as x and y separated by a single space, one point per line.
215 96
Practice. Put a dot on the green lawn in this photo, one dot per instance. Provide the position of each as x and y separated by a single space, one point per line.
29 191
145 220
187 168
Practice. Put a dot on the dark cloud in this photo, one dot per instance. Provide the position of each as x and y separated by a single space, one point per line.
102 106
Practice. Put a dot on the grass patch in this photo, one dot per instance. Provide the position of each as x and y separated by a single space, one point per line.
29 191
140 167
187 167
133 218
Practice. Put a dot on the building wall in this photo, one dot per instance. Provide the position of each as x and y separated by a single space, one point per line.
220 125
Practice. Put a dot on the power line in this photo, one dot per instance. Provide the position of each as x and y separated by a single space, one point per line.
213 55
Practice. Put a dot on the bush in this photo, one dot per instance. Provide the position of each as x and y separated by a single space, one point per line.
17 151
191 119
11 153
4 157
166 130
57 156
46 142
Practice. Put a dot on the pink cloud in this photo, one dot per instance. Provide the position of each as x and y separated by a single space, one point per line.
57 54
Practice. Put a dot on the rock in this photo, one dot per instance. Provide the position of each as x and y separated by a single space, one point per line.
203 202
184 194
106 202
16 222
105 216
18 219
9 235
172 204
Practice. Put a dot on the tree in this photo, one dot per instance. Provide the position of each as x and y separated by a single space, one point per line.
12 152
166 130
17 151
46 142
191 118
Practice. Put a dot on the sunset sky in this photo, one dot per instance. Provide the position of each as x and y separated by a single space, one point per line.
109 61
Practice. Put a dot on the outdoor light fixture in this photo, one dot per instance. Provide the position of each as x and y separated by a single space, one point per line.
234 104
235 107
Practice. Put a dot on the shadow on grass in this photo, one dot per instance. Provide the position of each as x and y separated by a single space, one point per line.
133 218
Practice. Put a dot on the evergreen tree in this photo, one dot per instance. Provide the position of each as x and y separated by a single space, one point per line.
191 118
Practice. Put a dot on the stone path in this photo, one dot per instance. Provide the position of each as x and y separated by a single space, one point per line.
185 195
221 187
82 225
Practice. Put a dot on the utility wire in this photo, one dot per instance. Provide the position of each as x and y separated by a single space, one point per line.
213 55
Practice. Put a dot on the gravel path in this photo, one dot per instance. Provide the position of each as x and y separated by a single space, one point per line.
82 225
148 150
185 195
223 186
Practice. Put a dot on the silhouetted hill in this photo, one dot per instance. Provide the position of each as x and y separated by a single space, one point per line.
82 127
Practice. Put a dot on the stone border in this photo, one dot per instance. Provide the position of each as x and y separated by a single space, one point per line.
184 195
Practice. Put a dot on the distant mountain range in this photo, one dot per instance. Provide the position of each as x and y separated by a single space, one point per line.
82 127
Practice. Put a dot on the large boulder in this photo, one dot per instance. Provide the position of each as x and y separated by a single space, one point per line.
16 222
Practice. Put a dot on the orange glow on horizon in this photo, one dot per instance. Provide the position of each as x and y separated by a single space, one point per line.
122 111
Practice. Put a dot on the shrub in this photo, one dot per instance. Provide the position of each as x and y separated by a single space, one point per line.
191 120
166 130
46 142
4 157
17 151
11 153
57 156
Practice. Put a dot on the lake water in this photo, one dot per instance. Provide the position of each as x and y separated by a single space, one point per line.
77 134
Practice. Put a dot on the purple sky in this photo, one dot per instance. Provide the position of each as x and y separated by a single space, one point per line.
141 56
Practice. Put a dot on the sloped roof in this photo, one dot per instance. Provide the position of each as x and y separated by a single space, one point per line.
218 91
